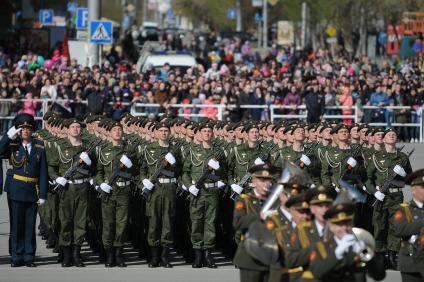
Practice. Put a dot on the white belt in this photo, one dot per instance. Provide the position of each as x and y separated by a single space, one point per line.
167 180
123 183
211 185
79 181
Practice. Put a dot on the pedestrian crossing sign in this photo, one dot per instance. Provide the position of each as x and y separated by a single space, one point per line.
101 32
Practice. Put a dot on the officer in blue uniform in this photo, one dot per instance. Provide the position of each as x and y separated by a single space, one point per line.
26 186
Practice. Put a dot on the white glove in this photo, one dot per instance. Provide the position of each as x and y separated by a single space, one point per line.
91 181
13 132
170 158
352 162
220 184
193 190
213 164
41 202
259 161
364 188
399 170
380 196
97 188
184 187
61 181
148 184
126 161
305 159
347 241
236 188
105 187
85 158
266 214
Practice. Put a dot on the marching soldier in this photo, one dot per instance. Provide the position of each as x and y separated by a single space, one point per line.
163 160
203 172
337 256
408 222
306 234
26 186
246 211
115 170
244 156
386 173
73 191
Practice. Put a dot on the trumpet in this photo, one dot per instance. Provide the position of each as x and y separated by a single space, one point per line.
366 250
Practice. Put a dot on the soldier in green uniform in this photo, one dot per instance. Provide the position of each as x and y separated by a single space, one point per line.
341 161
164 160
120 159
204 160
337 256
244 156
246 210
306 234
408 222
73 198
389 164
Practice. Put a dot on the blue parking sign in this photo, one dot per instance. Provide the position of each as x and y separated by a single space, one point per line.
82 18
46 16
101 32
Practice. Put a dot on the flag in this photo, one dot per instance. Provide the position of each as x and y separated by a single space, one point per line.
65 48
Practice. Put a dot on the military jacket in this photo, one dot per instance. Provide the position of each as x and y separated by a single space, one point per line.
408 222
196 162
381 167
241 158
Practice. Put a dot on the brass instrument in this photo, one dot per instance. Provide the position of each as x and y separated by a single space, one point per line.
366 241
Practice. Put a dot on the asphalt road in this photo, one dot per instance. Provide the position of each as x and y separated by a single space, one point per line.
137 270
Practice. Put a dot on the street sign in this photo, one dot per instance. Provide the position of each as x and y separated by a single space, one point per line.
81 35
82 18
231 13
257 3
46 16
101 32
71 6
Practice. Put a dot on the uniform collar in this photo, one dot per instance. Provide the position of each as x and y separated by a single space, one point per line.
418 203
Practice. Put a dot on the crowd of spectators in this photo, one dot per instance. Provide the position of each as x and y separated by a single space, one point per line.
229 73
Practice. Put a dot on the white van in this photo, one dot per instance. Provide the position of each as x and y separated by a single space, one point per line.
183 61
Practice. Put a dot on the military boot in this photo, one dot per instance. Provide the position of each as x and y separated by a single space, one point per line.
198 254
67 257
154 261
118 257
208 259
110 258
165 258
76 256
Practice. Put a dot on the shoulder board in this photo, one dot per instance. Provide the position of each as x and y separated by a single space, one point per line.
404 205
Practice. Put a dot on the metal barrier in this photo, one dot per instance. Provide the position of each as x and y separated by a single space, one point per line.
198 111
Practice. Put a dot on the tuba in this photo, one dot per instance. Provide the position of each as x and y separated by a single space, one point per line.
366 242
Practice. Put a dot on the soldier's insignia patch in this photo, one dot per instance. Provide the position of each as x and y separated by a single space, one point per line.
422 239
239 205
269 225
293 237
398 215
313 256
